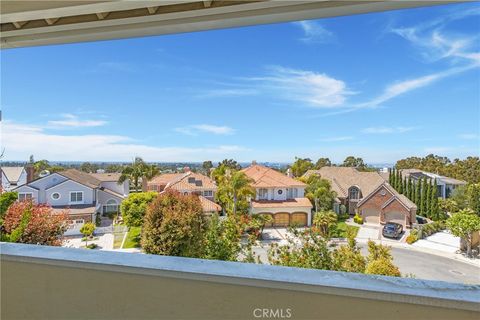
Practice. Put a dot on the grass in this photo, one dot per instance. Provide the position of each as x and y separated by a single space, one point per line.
342 229
133 238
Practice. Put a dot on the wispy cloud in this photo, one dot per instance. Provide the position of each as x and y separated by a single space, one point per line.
386 130
337 139
194 130
314 32
307 87
218 93
73 121
35 140
469 136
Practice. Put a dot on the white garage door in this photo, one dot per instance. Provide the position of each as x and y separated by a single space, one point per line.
396 217
371 216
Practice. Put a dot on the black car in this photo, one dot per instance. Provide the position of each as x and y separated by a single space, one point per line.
421 220
392 230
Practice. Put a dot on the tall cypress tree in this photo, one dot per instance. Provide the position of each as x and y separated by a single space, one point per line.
428 198
392 181
434 209
423 197
418 187
405 190
398 180
400 185
411 190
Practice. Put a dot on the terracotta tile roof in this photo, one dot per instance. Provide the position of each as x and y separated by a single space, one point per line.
269 178
193 182
164 179
106 177
209 205
12 173
80 177
297 202
342 178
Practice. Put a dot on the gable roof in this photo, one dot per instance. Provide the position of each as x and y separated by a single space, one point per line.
209 205
407 203
184 181
165 178
264 177
342 178
80 177
12 173
106 177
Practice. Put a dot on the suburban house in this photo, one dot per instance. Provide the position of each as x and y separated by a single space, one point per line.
83 194
367 194
188 183
13 177
280 196
445 185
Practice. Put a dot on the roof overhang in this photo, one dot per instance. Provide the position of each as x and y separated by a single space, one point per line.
32 23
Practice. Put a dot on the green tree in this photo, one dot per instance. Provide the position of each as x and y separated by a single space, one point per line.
40 166
473 197
301 165
428 198
319 192
459 195
418 195
230 163
448 206
433 204
463 224
323 162
411 189
207 165
136 171
382 267
392 177
405 186
222 239
134 207
423 198
6 200
89 167
87 230
325 221
174 225
241 188
351 161
400 183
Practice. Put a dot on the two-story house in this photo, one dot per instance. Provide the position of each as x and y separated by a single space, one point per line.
445 185
83 194
280 196
13 177
188 183
367 194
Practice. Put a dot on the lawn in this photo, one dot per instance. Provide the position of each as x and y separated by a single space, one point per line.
133 238
341 231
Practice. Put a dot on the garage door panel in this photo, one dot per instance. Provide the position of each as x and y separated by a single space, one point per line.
371 216
299 219
281 219
396 217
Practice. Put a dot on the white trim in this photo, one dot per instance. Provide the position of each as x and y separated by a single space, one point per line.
59 196
68 179
76 202
38 179
25 185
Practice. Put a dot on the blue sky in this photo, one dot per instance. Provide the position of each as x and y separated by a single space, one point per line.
381 86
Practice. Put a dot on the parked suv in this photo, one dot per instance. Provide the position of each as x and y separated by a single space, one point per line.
392 230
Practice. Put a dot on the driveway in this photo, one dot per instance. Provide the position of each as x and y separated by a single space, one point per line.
441 241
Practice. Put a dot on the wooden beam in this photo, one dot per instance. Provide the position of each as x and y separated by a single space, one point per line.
102 15
152 10
19 24
207 4
51 21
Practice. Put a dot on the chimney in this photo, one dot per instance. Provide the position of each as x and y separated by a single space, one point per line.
144 184
254 162
289 173
30 173
186 169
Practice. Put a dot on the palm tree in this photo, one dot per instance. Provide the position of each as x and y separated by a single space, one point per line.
241 187
136 171
324 220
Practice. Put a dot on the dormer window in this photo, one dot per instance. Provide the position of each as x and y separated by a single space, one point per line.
191 180
354 193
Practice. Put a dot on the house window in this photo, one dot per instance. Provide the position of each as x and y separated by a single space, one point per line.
208 193
353 193
292 193
280 191
262 194
55 196
111 206
76 197
22 196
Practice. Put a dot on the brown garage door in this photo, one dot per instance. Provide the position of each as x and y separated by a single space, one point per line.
281 219
371 216
396 217
299 219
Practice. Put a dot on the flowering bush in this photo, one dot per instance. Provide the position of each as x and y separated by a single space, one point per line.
358 219
26 222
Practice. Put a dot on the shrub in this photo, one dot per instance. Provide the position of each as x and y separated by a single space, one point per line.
135 206
98 220
358 219
92 246
174 225
412 237
382 266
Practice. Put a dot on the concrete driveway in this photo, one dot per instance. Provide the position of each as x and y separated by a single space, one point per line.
441 241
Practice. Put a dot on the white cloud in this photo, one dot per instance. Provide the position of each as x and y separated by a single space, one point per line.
72 121
22 140
314 32
336 139
194 130
218 93
386 130
314 89
469 136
